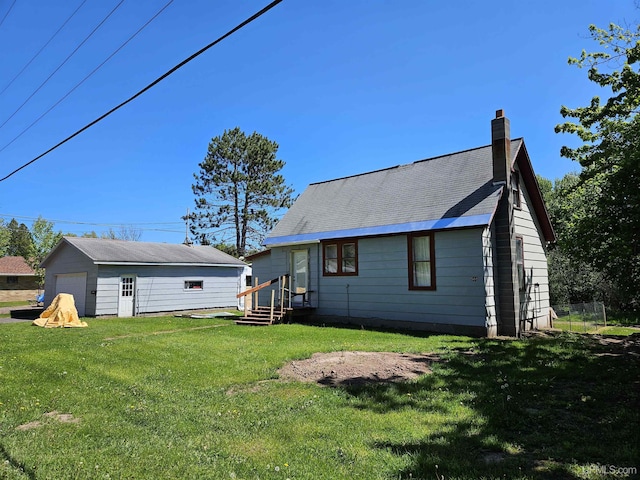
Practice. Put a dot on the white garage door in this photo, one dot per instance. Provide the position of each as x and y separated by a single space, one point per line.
76 285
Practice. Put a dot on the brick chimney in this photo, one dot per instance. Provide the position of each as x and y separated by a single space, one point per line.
501 148
507 290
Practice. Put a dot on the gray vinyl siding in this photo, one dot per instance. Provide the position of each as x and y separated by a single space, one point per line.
107 295
381 288
161 289
69 260
263 268
535 300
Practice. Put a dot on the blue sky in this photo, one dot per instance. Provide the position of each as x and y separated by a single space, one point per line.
344 87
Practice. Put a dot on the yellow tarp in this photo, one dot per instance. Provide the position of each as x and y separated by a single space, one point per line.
61 313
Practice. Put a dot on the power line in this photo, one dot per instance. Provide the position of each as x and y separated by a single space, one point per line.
76 222
87 77
8 12
139 225
42 48
148 87
63 62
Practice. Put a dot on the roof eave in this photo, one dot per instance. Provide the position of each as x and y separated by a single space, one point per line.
43 263
169 264
379 230
533 188
263 253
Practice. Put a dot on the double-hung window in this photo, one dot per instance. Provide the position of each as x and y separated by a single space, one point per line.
340 257
422 267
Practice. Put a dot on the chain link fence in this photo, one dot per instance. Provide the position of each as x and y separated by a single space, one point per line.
580 317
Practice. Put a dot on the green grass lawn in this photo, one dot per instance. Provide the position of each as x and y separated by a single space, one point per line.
577 322
578 327
181 398
619 330
593 328
17 303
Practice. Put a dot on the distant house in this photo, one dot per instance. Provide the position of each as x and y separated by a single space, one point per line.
116 277
18 281
455 243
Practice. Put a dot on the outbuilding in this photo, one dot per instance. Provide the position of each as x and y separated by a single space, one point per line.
117 277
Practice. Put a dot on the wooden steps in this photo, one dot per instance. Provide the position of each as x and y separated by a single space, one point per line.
268 315
262 316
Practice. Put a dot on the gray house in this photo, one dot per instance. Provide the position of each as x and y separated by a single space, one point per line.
115 277
455 243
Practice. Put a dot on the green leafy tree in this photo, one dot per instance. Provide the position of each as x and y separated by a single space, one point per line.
5 236
43 241
91 234
19 239
571 280
604 231
239 191
224 247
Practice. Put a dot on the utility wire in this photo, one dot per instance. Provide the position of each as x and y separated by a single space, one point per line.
42 48
8 12
152 84
87 77
139 225
63 62
74 222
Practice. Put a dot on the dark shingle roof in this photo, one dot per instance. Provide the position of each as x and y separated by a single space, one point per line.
448 191
15 266
122 252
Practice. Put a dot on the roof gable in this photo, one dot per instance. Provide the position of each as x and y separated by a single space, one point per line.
449 191
531 184
106 251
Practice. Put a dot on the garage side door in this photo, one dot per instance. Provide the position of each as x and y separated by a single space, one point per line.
76 285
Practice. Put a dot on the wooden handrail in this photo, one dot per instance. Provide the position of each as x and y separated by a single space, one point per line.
259 287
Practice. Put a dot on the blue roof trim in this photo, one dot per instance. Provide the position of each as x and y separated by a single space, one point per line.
438 224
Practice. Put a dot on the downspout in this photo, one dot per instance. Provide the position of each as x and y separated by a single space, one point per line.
318 266
348 304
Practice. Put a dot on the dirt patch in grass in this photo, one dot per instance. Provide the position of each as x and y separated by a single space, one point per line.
60 417
358 368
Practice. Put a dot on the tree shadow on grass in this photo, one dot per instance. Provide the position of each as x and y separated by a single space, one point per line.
559 407
10 462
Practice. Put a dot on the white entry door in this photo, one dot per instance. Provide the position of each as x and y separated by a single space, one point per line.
300 275
127 297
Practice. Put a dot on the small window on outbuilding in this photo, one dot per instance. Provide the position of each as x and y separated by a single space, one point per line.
12 280
193 284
